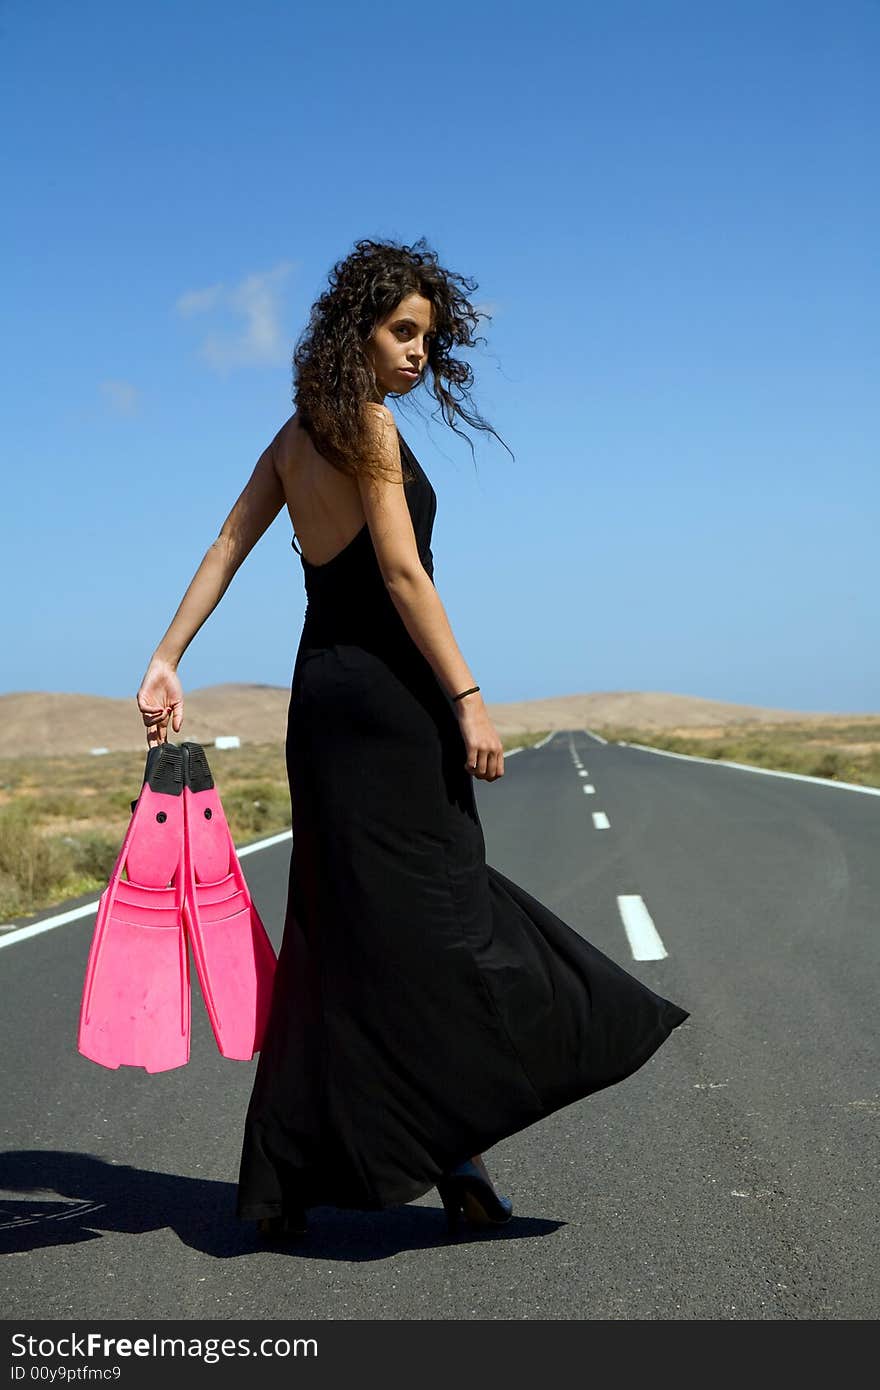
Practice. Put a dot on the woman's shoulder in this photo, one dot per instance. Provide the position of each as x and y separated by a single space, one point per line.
377 416
287 440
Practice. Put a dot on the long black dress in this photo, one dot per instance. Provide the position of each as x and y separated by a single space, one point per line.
425 1006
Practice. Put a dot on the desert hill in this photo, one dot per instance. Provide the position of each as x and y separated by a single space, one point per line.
46 723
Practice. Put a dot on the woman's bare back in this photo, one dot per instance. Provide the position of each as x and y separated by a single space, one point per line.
324 505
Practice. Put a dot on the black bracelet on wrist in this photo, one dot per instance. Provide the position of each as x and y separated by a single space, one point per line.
466 692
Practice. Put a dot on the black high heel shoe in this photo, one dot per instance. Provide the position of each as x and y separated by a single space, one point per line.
465 1191
282 1227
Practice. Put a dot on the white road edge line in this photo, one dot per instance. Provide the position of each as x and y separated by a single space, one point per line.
545 740
8 936
748 767
643 937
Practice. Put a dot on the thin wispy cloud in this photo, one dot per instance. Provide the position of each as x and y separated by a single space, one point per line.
121 396
194 301
254 305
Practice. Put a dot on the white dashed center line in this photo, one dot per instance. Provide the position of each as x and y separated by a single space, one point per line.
642 935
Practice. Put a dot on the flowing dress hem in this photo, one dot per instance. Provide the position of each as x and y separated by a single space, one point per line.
409 1192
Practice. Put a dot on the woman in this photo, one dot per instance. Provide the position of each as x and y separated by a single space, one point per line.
425 1006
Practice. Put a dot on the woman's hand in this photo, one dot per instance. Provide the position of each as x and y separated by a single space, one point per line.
159 699
485 751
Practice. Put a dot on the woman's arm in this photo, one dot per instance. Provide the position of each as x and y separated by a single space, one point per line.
160 697
415 597
206 588
253 513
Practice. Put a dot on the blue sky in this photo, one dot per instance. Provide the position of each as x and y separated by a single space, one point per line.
671 208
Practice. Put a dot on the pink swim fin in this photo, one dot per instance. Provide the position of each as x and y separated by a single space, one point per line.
135 1008
234 957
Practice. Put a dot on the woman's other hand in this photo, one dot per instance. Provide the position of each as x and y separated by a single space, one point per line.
485 751
159 699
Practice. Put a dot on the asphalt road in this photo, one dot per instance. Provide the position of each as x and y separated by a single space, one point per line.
733 1177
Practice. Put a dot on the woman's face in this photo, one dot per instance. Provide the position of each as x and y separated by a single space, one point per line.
401 341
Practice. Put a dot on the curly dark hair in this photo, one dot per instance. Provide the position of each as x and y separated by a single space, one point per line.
333 375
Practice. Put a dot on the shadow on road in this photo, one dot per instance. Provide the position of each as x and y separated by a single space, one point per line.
71 1197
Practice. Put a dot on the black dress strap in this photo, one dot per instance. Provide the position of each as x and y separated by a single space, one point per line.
294 544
